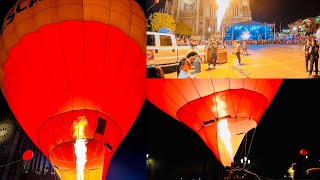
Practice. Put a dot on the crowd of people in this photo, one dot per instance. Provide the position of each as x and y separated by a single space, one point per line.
190 41
295 41
212 45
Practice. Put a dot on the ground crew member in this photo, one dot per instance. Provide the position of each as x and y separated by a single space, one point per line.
214 50
306 48
314 57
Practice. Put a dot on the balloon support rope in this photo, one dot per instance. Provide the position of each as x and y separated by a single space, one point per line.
254 132
10 163
151 6
249 172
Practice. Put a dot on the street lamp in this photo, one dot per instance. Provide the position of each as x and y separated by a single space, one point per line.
148 167
245 161
274 31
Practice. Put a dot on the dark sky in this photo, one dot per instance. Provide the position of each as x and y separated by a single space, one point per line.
285 11
288 125
129 161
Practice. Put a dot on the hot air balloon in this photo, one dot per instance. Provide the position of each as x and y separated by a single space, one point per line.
73 73
27 155
303 152
220 111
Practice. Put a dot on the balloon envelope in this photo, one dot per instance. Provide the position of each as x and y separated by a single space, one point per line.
71 71
27 155
220 111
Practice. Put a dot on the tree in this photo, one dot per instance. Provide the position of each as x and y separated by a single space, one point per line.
156 21
311 26
184 29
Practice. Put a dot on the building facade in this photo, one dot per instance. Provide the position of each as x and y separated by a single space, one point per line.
13 143
200 15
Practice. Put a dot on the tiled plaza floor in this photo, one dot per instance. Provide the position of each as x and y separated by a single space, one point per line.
263 61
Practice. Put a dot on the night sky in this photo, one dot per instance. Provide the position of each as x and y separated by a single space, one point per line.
288 125
284 11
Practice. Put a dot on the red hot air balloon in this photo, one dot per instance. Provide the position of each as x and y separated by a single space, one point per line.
73 73
220 111
27 155
303 152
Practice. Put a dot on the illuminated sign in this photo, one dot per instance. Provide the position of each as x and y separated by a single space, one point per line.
245 35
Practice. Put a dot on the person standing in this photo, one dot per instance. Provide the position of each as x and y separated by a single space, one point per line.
306 48
183 69
238 49
245 48
214 50
314 57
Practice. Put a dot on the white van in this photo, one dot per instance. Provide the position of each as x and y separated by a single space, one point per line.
162 50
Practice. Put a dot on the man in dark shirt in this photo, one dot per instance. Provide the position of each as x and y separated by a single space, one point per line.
214 50
306 48
314 57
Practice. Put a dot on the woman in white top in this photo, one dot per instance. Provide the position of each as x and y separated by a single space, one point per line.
183 69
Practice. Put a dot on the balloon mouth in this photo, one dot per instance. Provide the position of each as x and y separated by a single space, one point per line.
67 167
95 159
210 122
230 134
230 104
231 120
79 142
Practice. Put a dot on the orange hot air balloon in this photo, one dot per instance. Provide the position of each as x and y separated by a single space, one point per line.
73 73
220 111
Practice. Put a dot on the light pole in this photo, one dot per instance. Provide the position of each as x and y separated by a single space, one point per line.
245 161
274 31
148 168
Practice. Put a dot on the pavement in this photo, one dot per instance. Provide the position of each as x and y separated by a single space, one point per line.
263 61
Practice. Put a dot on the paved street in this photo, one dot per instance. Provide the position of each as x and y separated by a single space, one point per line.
263 61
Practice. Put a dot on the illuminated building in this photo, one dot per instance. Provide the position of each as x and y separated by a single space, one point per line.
201 15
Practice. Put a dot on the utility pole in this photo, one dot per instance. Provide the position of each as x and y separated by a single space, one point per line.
274 31
280 27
